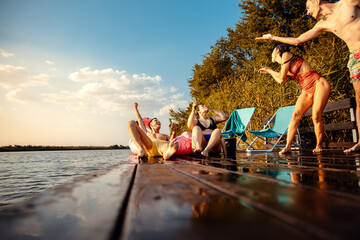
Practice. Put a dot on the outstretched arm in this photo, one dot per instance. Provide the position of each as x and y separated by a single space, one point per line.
139 118
274 74
191 120
281 76
307 36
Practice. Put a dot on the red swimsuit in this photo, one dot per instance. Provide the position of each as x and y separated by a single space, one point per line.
307 81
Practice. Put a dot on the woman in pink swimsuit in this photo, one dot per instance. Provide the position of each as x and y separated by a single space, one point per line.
315 92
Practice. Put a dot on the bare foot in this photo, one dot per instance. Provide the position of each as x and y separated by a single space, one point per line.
285 150
196 150
142 154
173 147
318 149
355 148
205 153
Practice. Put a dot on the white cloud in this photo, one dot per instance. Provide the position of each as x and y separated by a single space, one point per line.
164 111
11 76
177 96
50 62
20 95
6 54
173 89
37 80
115 79
114 92
63 97
14 77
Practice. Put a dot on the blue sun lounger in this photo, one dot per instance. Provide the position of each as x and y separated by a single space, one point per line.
279 129
238 123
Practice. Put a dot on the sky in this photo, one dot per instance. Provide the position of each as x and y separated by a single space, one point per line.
70 71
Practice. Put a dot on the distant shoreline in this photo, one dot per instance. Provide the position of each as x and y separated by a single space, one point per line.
19 148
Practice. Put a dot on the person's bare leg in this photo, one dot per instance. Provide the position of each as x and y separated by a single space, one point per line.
171 149
139 137
356 147
321 97
197 139
303 103
213 141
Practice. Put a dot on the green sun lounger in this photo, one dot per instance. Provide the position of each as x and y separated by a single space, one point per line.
282 119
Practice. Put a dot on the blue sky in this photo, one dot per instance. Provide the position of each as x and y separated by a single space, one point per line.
70 70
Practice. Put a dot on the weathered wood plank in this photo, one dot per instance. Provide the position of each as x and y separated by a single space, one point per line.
165 204
335 106
86 208
289 199
330 127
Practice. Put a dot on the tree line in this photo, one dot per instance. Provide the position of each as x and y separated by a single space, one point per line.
228 78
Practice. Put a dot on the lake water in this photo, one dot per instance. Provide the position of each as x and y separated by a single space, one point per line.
23 174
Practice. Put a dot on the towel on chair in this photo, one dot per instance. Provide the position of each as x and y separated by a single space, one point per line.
234 126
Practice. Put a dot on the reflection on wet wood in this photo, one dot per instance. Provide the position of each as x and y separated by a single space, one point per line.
317 195
295 196
86 208
166 204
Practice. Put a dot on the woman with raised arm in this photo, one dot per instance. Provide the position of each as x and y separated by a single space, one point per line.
315 92
206 137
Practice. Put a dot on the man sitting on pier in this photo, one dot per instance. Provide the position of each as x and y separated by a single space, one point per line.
154 143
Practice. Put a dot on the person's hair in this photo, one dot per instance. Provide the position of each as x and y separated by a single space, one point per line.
150 123
282 48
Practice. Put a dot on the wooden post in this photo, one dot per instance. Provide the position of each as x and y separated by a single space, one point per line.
355 133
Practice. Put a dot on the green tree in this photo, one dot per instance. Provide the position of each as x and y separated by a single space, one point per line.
228 76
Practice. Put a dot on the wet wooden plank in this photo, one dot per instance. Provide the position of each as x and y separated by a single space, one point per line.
86 208
166 204
332 213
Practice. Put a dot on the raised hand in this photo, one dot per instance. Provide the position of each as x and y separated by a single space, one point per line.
264 70
265 37
195 104
173 126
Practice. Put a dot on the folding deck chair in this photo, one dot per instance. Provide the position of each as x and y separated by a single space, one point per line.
279 129
237 124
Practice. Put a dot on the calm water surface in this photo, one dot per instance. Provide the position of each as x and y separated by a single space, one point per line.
23 174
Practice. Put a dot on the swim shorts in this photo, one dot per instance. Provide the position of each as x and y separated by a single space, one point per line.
354 65
155 148
207 137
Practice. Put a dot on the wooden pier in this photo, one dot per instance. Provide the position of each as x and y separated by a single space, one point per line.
294 196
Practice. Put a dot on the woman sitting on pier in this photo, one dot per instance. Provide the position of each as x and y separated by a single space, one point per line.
206 137
154 143
315 92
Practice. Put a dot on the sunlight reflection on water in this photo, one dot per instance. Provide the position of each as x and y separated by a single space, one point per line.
23 174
